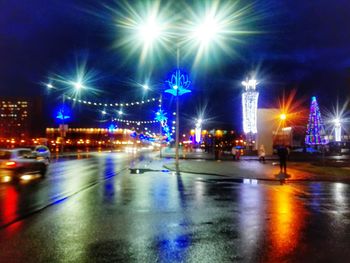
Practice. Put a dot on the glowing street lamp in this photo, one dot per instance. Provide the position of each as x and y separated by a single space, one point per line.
283 117
147 27
78 85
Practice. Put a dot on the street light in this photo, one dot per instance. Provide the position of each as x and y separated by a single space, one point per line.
78 85
214 25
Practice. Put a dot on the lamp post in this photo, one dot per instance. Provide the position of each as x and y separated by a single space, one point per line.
178 85
147 29
62 114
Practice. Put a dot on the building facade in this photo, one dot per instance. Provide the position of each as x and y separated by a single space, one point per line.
14 118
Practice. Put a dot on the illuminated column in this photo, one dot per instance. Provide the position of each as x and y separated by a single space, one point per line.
198 131
250 106
337 130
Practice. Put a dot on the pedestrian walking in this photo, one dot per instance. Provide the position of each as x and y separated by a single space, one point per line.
262 153
282 152
233 151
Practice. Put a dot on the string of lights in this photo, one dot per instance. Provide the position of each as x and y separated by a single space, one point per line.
137 122
127 104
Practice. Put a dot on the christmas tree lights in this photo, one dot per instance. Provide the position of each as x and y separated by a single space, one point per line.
315 134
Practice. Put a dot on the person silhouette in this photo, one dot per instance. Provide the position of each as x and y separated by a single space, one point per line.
262 153
282 152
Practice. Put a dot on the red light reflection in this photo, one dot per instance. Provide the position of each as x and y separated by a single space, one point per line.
8 208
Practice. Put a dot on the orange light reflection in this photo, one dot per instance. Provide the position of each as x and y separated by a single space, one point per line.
287 222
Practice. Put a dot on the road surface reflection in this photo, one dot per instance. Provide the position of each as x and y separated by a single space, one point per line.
163 217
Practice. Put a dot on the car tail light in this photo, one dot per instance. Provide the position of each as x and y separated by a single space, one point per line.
10 164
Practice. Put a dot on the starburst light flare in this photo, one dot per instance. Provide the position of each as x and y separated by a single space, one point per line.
337 120
214 26
144 25
73 81
292 110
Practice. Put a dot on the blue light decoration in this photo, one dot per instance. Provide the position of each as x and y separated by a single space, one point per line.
133 134
63 114
163 119
161 116
146 138
112 128
178 84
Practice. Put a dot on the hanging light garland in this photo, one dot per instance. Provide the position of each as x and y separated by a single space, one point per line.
127 104
137 122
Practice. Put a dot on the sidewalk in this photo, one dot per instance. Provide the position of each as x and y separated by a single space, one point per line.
251 170
170 153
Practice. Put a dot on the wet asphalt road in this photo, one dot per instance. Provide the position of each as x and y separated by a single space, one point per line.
95 210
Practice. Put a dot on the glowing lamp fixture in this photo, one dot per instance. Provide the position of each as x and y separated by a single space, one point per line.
283 116
207 30
49 86
120 112
149 31
78 85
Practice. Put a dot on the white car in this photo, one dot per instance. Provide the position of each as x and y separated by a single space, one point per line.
43 152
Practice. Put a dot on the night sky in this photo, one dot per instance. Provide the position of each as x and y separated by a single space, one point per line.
298 44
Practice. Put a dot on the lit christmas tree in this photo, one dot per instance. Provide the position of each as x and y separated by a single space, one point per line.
315 134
